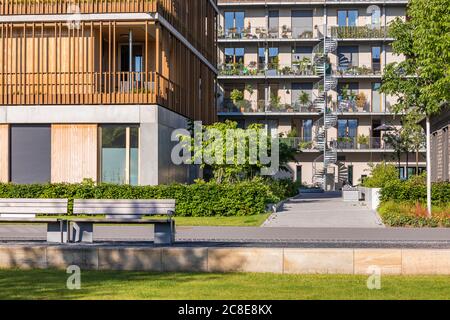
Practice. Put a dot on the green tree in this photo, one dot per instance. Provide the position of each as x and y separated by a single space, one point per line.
235 170
422 81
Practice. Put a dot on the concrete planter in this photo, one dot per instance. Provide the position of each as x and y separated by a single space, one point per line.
371 196
350 195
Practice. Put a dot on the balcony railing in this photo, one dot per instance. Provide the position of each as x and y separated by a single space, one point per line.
359 32
263 32
307 1
357 71
300 144
87 88
11 7
267 70
360 143
261 106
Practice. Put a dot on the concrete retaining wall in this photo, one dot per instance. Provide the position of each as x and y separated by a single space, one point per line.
269 260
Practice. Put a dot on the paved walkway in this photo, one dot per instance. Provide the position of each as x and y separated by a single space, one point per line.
326 210
245 236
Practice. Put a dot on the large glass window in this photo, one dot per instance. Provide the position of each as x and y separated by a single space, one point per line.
376 59
261 57
376 97
234 55
347 18
301 52
120 154
307 128
348 57
274 23
347 128
234 22
301 91
302 24
30 153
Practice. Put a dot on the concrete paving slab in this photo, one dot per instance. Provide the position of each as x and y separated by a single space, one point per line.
327 210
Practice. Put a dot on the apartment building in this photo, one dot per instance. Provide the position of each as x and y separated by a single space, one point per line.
94 89
311 71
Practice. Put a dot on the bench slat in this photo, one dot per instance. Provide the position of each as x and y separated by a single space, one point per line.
34 210
35 201
33 206
123 207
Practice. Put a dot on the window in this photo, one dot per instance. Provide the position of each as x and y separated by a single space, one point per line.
350 175
375 18
348 57
299 174
347 128
261 57
274 23
302 24
300 52
346 90
273 58
298 92
234 55
376 97
307 127
30 153
234 22
119 154
376 59
347 18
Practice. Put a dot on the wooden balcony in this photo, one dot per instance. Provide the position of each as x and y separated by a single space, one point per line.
16 7
79 88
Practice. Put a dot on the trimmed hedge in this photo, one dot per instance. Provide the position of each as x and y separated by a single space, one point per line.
197 200
415 190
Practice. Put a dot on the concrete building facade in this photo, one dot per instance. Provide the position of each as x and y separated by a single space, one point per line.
311 72
93 90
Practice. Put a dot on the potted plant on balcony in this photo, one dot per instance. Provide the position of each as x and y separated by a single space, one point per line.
361 101
236 96
305 145
304 100
275 102
363 141
285 31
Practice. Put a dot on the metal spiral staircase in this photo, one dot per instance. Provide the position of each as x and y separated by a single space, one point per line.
329 118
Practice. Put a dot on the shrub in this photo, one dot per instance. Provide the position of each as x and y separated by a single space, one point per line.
284 188
407 214
415 190
201 199
381 174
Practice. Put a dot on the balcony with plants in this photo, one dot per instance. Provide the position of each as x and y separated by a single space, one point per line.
358 71
300 68
292 140
263 32
360 143
237 103
359 32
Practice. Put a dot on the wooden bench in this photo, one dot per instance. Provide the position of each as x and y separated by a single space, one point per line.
24 211
123 212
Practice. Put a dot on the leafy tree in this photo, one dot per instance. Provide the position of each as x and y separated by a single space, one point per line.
422 81
240 168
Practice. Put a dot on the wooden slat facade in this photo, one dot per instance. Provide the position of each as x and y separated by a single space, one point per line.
52 64
74 153
4 153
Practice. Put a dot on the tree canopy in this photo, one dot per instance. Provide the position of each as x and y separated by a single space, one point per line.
422 81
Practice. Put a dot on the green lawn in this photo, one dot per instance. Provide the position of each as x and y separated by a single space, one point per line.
50 284
244 221
247 221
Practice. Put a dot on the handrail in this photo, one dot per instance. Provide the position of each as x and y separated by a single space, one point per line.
87 88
